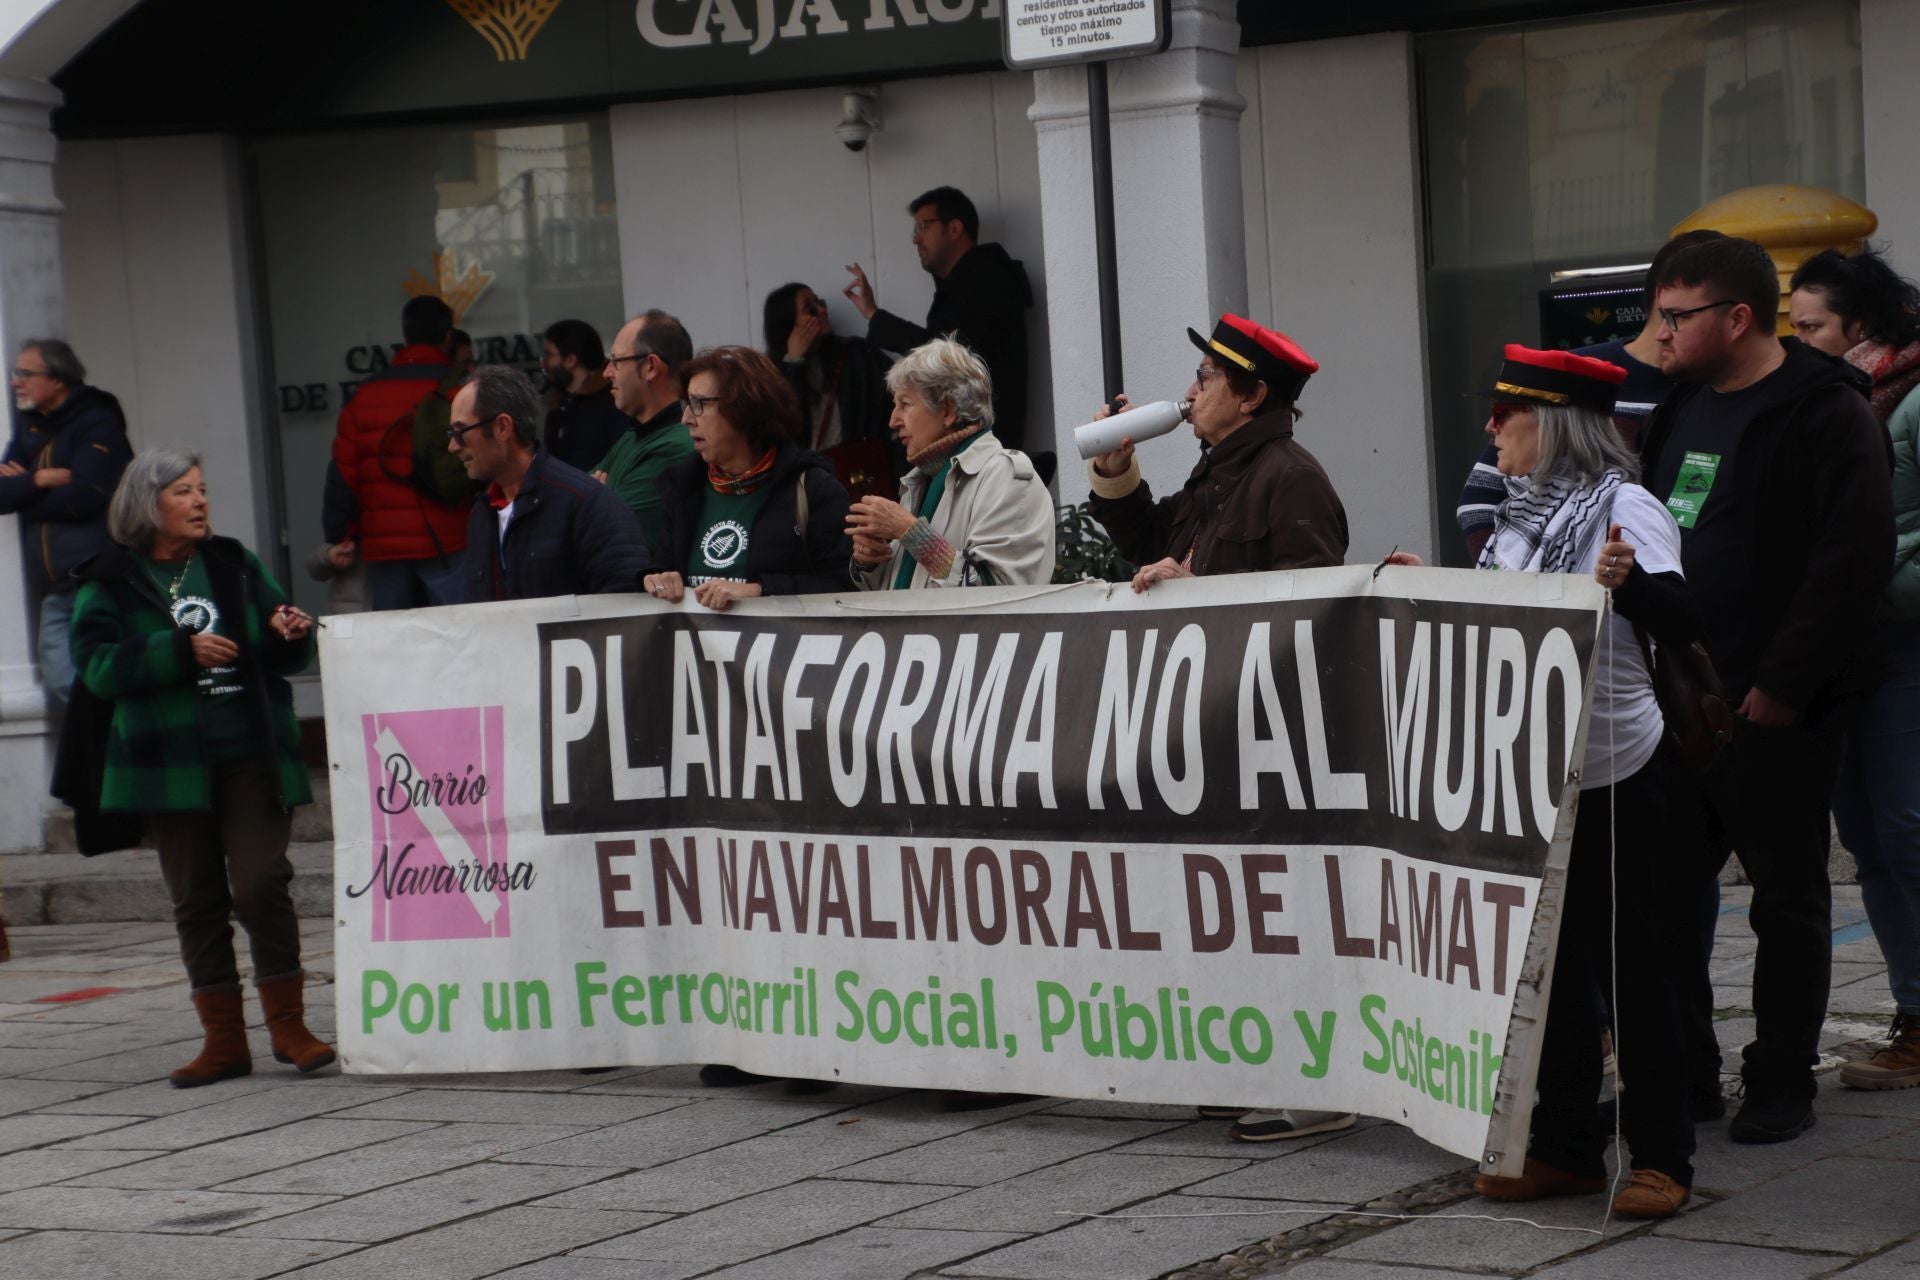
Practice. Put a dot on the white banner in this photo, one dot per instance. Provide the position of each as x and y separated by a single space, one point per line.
1267 840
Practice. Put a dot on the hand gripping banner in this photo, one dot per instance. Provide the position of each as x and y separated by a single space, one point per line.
1287 839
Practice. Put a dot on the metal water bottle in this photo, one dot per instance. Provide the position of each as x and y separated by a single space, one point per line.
1138 424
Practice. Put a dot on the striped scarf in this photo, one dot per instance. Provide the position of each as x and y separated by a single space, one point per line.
1551 527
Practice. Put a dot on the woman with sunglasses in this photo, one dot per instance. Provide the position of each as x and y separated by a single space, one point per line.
1629 924
752 514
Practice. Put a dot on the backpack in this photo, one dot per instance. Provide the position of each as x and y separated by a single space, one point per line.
437 474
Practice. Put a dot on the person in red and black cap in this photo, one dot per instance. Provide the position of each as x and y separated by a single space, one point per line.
1629 921
1258 500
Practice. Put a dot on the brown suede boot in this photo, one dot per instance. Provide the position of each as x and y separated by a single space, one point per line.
225 1054
284 1005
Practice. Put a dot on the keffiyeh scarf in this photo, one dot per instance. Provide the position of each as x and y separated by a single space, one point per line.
1555 526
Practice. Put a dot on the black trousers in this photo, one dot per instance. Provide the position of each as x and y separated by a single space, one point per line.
1770 793
1642 915
231 861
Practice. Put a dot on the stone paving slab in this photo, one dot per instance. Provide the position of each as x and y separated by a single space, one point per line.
989 1154
235 1158
568 1080
111 1209
424 1202
427 1152
1670 1259
152 1098
668 1135
1334 1269
868 1253
507 1107
1839 1205
49 1165
575 1267
17 1096
1035 1202
1722 1166
125 1255
480 1246
1902 1263
765 1223
264 1109
1103 1248
1461 1233
1206 1138
1355 1168
39 1129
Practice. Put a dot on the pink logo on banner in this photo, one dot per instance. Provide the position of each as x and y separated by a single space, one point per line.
440 866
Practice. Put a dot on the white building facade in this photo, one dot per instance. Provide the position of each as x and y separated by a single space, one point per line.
228 243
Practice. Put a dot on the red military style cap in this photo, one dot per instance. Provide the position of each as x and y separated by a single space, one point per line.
1556 377
1267 354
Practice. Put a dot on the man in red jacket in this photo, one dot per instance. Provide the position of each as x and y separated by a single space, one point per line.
413 546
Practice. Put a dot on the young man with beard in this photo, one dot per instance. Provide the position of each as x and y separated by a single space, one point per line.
1771 461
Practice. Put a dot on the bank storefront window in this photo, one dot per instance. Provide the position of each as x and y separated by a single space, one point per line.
513 226
1575 145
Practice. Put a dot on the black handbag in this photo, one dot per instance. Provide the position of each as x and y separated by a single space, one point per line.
1692 701
79 767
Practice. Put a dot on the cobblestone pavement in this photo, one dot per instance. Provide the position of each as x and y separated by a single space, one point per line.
107 1173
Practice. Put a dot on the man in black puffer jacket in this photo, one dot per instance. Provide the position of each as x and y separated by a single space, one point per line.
542 528
68 449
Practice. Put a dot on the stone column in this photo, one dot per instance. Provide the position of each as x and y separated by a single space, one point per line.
1179 223
30 305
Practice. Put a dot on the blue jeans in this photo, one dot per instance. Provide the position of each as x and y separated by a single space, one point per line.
1877 808
414 584
56 650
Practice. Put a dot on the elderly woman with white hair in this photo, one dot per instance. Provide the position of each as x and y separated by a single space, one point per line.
972 512
1628 927
191 641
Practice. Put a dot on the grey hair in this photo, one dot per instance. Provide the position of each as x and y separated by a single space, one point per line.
1582 442
946 374
133 516
498 389
62 364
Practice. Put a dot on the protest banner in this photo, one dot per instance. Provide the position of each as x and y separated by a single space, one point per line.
1286 839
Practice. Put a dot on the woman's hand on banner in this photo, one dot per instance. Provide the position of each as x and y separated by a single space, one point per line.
669 587
719 594
1160 571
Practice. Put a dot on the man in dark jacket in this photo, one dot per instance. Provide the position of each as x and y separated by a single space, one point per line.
586 422
980 297
1779 476
68 449
542 528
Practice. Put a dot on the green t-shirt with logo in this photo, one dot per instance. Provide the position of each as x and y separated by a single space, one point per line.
227 728
722 535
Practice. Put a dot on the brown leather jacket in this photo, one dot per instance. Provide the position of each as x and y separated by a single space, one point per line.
1258 500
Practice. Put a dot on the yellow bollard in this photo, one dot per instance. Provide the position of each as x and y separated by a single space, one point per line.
1791 223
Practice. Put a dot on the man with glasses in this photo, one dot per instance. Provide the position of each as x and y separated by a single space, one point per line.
542 528
68 449
643 370
411 543
1778 474
980 297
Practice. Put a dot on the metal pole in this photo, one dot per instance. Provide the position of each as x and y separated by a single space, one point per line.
1101 139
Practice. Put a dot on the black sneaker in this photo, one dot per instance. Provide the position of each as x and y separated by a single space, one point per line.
1706 1105
1772 1113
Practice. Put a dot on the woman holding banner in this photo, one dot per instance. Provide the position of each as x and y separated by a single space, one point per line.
1572 507
752 514
972 512
1257 501
190 640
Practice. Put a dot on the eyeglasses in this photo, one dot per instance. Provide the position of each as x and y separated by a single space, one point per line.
1674 318
614 362
1202 373
24 374
920 225
457 432
697 405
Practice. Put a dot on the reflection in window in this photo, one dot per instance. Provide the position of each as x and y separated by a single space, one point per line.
1580 144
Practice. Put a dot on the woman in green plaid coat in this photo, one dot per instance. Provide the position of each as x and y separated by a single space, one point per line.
191 640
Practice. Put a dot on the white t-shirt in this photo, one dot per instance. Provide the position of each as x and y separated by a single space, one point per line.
1624 728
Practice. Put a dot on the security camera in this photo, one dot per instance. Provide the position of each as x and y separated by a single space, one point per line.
859 118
